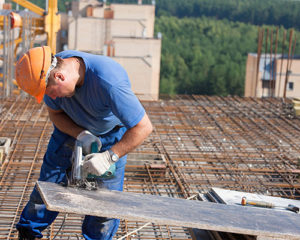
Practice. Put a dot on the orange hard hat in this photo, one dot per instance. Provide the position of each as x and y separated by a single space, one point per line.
31 70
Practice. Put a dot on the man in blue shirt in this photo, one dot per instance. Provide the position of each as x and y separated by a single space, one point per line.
88 98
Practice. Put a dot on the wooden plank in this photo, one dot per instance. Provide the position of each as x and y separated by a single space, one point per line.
171 211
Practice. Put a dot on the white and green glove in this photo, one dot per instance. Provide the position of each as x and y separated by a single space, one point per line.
87 138
97 163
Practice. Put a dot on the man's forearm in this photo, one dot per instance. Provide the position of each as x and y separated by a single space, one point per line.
64 123
133 137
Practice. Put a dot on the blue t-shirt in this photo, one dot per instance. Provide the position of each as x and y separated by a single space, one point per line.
104 100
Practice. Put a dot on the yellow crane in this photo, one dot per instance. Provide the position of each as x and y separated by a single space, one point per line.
49 20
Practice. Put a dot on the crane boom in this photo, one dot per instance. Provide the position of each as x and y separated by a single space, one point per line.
30 6
51 19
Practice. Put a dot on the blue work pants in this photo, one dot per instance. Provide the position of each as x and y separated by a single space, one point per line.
57 162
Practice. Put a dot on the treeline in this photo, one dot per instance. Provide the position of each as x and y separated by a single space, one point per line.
203 55
208 56
257 12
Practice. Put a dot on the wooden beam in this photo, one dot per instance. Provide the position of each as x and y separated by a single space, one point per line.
171 211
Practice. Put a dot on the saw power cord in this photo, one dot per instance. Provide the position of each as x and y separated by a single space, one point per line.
61 226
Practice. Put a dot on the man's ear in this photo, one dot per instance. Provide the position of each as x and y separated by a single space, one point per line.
59 75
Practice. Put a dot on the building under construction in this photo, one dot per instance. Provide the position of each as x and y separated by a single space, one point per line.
198 142
274 70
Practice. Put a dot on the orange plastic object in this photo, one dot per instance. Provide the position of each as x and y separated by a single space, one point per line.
31 70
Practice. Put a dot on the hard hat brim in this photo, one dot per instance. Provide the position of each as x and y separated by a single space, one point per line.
39 98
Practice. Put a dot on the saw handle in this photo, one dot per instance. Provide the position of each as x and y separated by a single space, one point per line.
94 147
110 173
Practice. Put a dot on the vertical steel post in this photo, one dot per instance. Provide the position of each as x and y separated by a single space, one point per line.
260 40
271 65
266 50
5 57
281 64
275 63
287 66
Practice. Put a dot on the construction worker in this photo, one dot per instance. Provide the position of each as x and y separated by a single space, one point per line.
88 98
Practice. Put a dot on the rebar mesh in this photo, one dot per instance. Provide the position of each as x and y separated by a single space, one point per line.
235 143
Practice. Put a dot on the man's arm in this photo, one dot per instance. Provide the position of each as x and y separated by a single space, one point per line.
64 123
98 163
133 137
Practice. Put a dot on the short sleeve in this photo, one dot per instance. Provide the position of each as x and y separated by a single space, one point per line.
126 106
51 103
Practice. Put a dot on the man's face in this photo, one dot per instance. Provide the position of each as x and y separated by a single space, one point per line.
59 86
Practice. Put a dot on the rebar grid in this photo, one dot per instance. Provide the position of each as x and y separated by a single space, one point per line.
238 143
235 143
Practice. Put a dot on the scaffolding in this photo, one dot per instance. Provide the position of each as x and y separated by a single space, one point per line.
7 53
14 41
18 35
199 142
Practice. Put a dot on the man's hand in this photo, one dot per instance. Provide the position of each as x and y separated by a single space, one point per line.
97 163
87 139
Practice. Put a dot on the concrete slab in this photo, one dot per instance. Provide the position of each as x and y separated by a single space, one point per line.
171 211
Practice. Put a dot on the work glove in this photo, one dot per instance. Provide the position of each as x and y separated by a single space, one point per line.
87 138
97 163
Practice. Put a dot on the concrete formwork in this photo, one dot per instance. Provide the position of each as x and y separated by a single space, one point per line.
243 144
